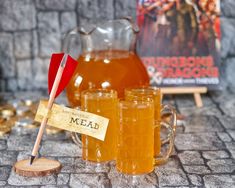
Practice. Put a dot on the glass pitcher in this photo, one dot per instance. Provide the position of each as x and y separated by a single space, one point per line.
107 59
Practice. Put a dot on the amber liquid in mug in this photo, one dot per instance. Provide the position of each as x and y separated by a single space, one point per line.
114 69
157 130
136 141
155 95
93 149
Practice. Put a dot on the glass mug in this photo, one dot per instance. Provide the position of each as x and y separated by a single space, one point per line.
147 93
135 151
102 102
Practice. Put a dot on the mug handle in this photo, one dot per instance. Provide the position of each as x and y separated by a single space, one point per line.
171 134
76 139
170 110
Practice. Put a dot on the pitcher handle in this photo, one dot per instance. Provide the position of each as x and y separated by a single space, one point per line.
67 38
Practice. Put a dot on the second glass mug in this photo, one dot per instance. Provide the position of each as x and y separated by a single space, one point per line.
135 151
148 93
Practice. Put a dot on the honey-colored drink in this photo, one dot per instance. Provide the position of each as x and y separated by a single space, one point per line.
115 69
136 138
147 94
103 103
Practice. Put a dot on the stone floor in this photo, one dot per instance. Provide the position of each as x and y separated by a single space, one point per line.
204 152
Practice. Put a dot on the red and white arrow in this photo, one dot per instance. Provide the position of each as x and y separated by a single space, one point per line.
60 72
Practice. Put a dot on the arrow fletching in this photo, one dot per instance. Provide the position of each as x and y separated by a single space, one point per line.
69 69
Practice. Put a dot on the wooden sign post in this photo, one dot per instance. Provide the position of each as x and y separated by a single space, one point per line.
61 69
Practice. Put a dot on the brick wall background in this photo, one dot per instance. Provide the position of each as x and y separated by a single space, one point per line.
30 30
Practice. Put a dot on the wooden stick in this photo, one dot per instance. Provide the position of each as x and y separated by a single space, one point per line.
49 106
198 100
183 90
196 91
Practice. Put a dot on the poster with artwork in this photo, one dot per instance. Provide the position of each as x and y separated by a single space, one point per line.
179 41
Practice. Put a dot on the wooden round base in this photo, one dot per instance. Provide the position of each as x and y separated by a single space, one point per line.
40 167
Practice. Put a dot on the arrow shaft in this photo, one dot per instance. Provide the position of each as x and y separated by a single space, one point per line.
49 106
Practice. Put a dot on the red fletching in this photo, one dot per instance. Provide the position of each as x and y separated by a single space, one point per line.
67 73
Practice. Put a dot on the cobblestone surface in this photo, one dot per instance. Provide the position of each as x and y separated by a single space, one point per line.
204 154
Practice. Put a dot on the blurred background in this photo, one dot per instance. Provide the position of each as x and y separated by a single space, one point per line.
31 30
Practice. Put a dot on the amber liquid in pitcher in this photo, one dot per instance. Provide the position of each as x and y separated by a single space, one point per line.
114 69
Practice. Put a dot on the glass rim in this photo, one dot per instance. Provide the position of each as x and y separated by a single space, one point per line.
143 90
96 25
99 92
142 93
